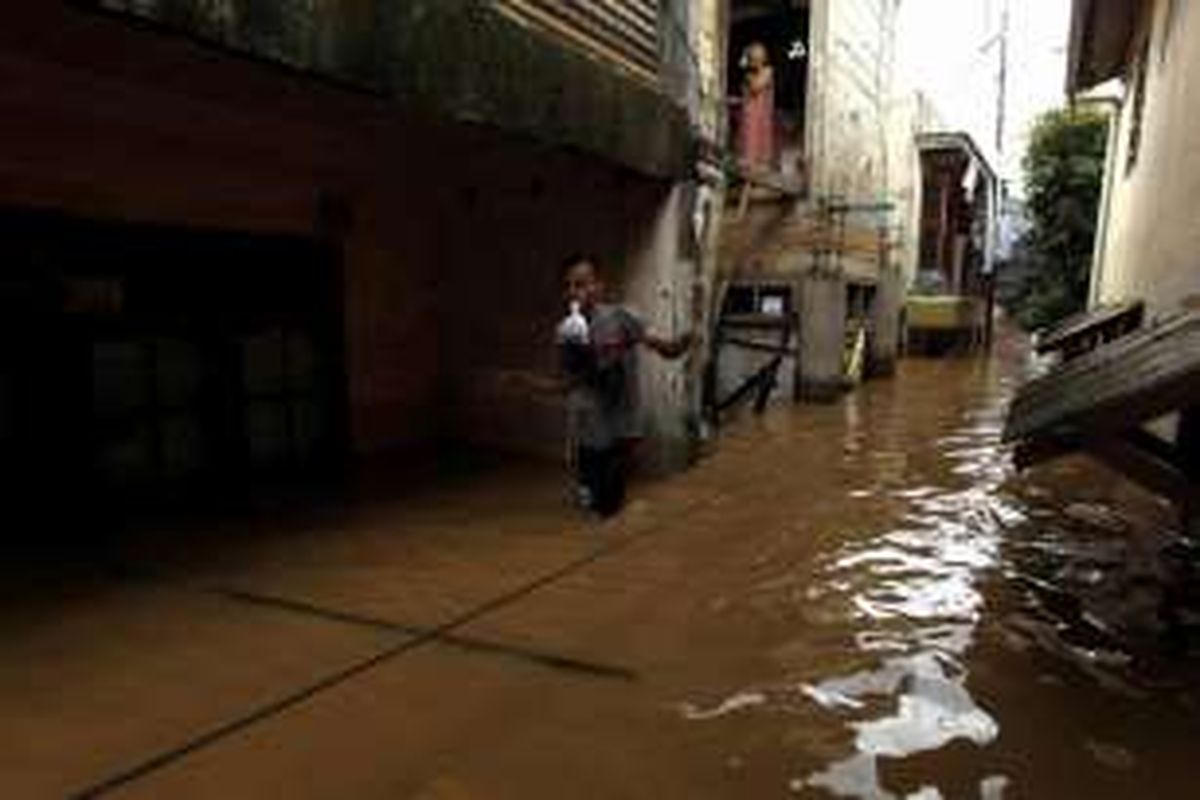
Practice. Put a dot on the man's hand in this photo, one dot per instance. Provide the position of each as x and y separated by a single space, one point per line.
671 348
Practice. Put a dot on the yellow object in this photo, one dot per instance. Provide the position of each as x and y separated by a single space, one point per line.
856 357
944 312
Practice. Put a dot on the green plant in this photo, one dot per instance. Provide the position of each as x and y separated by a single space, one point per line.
1064 175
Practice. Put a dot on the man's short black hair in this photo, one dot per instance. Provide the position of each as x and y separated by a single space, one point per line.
574 260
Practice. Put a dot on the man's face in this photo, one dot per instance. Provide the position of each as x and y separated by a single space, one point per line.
581 285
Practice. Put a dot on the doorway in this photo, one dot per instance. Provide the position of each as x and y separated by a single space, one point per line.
146 366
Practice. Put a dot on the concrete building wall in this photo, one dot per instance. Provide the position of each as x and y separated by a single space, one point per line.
450 233
911 115
666 274
516 211
111 123
462 60
1151 242
850 148
501 293
856 55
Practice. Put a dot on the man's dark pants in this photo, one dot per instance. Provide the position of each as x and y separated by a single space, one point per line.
605 471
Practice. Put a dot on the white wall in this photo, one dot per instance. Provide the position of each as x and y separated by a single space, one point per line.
1152 248
912 114
855 52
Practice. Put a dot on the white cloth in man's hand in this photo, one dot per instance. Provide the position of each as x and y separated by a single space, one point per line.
574 329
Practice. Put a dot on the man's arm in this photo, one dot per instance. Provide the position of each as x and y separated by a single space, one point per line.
538 383
669 348
550 384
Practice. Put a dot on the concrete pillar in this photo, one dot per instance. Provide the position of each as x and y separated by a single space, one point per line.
706 230
820 58
885 322
822 334
659 286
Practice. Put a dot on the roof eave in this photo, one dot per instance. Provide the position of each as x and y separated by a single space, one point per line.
939 140
1098 49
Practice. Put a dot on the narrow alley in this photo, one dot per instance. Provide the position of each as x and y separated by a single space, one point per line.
855 600
520 399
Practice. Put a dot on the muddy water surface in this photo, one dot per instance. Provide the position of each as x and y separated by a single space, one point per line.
941 627
856 600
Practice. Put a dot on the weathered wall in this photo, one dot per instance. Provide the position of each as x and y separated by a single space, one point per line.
664 271
461 59
855 59
1152 244
517 212
451 234
912 114
853 136
521 213
852 66
847 143
111 122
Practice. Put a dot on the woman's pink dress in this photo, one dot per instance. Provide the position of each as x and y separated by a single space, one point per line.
757 134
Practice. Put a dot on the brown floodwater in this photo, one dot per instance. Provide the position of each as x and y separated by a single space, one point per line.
856 600
943 627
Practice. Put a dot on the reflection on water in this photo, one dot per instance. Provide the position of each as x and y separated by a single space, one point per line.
968 622
914 595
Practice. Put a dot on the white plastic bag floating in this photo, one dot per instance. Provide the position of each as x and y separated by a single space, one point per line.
574 329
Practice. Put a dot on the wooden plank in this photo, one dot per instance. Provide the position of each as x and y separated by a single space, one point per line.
1116 387
1126 456
762 347
1032 452
757 321
763 380
944 312
1105 323
770 378
1146 460
785 185
1188 442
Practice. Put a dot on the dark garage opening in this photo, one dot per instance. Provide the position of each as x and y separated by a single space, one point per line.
148 367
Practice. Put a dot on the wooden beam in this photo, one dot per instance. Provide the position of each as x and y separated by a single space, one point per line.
770 378
766 375
1128 456
761 347
1032 452
757 321
1116 387
1163 468
1081 332
1187 442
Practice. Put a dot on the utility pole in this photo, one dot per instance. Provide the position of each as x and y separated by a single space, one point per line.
1001 39
1002 93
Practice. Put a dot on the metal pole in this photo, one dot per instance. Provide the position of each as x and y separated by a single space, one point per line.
1002 94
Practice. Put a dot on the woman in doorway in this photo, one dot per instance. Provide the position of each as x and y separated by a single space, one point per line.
757 145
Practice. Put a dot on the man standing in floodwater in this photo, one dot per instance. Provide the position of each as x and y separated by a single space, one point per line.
599 348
